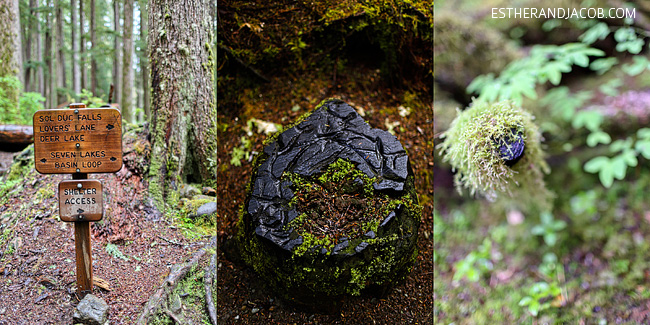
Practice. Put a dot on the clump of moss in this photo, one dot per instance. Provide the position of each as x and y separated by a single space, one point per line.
472 147
340 203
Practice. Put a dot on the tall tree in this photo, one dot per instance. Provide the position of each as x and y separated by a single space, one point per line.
144 62
76 77
51 21
93 48
59 46
10 46
183 122
29 71
10 40
82 46
127 67
39 52
117 72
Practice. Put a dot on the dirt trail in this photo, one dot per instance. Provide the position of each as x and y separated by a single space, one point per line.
37 252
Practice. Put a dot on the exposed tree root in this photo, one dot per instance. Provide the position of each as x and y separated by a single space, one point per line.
208 279
159 299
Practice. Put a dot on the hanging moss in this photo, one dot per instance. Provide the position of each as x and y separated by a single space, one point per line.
480 144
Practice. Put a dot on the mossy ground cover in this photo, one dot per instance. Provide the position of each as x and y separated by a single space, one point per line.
341 203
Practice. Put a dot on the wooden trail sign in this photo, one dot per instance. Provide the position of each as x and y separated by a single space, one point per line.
80 200
83 140
79 141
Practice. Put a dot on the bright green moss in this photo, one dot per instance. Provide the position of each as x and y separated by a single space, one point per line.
470 147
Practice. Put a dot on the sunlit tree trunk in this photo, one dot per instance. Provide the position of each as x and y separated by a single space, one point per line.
144 62
52 54
82 47
62 80
183 107
39 52
93 45
127 67
28 47
76 77
117 72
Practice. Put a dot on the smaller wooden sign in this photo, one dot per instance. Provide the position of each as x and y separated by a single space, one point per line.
80 200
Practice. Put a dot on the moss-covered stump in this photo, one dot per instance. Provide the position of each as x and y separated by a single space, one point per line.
331 210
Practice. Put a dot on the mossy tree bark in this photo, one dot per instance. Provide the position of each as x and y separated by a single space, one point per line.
10 41
183 107
144 58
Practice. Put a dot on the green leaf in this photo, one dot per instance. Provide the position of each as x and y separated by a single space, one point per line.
550 239
525 301
594 138
590 119
618 167
643 147
537 230
533 308
643 133
596 164
629 157
640 64
603 65
606 177
621 145
596 32
611 87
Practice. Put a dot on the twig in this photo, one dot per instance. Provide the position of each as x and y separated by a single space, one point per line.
170 241
208 278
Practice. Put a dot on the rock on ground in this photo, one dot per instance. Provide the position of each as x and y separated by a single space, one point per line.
91 311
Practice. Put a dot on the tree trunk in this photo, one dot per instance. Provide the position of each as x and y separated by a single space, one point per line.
59 45
48 60
127 69
39 52
10 41
28 47
82 46
76 77
183 123
93 43
144 62
54 102
10 54
117 72
16 134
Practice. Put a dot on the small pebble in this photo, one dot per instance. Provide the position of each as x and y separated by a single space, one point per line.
254 310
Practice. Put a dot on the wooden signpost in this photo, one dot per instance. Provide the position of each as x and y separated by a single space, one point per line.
79 141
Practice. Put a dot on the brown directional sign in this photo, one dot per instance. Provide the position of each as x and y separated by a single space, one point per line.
80 140
80 200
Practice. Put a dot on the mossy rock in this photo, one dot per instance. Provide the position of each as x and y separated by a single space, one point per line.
331 210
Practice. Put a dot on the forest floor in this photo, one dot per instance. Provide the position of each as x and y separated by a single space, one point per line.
133 249
241 295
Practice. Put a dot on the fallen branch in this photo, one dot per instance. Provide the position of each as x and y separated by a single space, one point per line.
160 296
208 278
